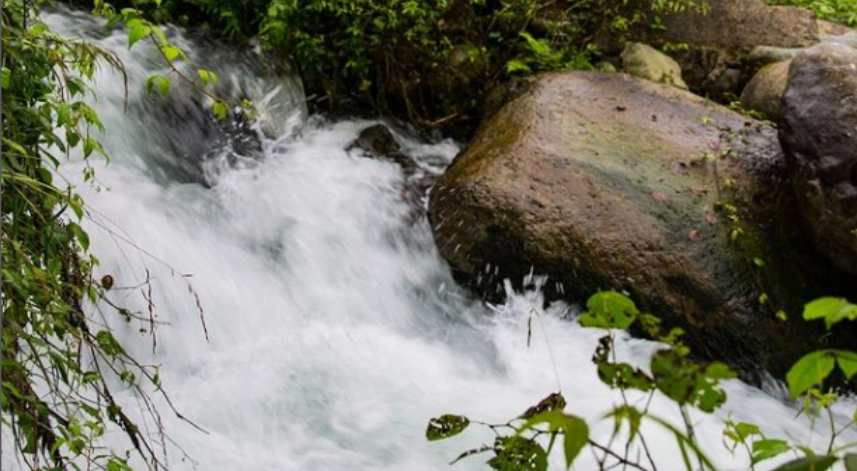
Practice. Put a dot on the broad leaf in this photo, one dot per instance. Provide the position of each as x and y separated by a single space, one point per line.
445 426
518 454
809 371
832 310
768 448
609 310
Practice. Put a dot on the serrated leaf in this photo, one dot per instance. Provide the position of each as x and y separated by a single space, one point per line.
518 454
445 426
809 371
609 310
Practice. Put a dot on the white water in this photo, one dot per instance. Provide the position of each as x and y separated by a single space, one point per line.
336 330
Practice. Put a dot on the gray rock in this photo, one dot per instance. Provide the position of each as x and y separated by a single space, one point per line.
646 62
818 130
761 56
766 89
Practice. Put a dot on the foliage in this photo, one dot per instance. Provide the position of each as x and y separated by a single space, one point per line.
61 363
840 11
526 441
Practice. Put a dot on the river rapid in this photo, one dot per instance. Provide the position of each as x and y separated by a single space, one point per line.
335 330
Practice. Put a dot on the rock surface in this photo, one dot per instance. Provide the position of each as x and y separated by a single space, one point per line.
643 61
601 181
737 25
766 89
818 129
721 39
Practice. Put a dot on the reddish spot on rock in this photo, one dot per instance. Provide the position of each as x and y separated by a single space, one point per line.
693 235
658 196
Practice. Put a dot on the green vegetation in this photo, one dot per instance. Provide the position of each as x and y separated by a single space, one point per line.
431 61
520 443
59 357
839 11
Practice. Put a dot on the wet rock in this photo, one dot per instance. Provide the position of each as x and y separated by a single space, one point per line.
646 62
605 181
377 139
766 89
818 130
728 85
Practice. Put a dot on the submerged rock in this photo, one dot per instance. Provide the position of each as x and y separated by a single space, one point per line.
819 134
604 181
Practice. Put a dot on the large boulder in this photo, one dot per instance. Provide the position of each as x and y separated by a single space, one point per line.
606 181
766 89
818 130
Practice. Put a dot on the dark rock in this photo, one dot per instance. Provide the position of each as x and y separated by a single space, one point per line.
818 130
602 181
377 139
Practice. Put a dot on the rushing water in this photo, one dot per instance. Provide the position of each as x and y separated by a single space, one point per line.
335 328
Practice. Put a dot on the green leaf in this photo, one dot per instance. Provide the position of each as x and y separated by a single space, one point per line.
847 362
518 454
851 462
89 146
745 430
208 77
79 234
810 463
809 371
629 413
220 110
445 426
108 343
137 30
171 52
7 77
516 65
768 448
161 82
832 310
576 437
609 310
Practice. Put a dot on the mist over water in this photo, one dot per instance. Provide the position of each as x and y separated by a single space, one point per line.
335 329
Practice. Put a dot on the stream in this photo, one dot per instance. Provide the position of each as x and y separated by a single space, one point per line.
335 330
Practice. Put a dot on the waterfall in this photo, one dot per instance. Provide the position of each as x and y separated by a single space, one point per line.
335 330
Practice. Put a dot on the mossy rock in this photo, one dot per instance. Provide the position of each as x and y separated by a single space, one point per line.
603 181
